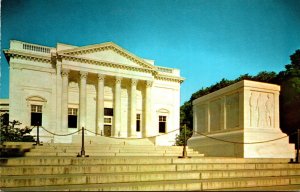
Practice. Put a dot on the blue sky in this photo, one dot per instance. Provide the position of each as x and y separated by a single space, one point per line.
206 39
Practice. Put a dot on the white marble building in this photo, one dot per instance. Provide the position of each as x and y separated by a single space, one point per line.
101 87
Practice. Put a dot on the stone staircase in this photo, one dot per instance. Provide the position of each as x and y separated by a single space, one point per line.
135 168
123 149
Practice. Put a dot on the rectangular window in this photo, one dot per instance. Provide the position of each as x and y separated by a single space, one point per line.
72 117
107 120
138 122
162 123
108 112
36 115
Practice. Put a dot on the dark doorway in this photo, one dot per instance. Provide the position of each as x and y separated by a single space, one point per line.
36 115
72 117
107 130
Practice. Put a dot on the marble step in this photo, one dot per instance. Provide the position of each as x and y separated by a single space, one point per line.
175 185
109 146
194 161
94 154
67 149
117 168
89 178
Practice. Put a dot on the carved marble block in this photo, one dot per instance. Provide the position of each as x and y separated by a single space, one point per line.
242 118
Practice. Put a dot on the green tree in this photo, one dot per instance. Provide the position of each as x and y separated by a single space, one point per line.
290 96
180 138
12 133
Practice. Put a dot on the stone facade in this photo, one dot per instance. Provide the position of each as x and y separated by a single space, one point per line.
244 112
101 87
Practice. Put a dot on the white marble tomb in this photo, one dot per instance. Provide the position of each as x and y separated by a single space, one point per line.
244 112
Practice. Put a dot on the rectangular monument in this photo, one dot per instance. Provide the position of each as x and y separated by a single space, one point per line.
240 121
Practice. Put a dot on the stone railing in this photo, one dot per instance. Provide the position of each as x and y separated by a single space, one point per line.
165 70
36 48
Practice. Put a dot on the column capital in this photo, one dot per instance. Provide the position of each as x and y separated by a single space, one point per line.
118 80
83 74
148 83
101 77
65 72
134 82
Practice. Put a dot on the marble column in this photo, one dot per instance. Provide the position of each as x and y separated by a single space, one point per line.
64 100
58 96
117 108
132 115
148 110
82 100
100 104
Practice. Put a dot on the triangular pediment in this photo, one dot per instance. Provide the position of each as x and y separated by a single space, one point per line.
109 52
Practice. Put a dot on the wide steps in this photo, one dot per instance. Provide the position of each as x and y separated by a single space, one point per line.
188 162
219 170
121 177
175 185
72 150
125 167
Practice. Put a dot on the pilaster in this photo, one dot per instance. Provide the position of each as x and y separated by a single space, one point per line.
276 119
223 113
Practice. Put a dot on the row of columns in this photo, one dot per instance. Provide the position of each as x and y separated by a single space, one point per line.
117 124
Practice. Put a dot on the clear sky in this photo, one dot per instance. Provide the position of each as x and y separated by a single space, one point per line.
206 39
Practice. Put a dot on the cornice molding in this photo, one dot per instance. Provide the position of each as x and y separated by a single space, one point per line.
169 78
108 46
47 59
26 56
106 63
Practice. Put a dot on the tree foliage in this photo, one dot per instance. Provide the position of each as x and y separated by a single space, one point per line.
289 80
12 133
180 138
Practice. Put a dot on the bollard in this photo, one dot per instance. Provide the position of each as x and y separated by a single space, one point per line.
82 152
38 135
184 152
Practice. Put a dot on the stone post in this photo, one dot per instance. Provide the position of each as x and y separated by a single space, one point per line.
100 104
64 100
82 100
132 115
117 108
